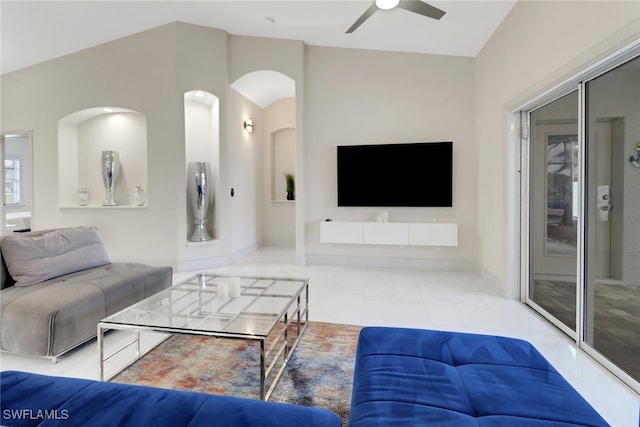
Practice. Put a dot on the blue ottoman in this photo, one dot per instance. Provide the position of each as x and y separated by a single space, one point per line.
410 377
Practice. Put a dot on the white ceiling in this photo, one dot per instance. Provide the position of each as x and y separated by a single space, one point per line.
36 31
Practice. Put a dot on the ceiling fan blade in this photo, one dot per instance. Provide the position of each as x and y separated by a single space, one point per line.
366 15
421 8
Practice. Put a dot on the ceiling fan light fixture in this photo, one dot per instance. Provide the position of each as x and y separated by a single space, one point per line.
414 6
387 4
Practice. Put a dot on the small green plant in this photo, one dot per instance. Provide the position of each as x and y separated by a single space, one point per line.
290 185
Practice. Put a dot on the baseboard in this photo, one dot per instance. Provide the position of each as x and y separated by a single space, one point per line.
498 286
203 264
385 262
239 254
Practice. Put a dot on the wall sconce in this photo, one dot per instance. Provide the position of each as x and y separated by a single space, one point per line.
635 162
248 125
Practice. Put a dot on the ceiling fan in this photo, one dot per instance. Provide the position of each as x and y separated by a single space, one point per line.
415 6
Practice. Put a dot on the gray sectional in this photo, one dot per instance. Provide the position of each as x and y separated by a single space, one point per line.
48 316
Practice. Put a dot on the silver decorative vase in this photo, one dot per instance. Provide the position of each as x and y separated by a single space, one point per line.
199 194
110 174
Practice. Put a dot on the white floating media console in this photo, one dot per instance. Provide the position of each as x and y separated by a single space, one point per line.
390 233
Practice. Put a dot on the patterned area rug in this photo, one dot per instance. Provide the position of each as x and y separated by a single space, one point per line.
319 372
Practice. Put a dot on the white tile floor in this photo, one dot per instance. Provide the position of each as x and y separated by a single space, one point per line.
456 301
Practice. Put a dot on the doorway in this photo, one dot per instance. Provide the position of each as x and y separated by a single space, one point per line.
277 216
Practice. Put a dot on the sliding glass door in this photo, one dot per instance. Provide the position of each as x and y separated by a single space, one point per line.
612 241
553 208
581 227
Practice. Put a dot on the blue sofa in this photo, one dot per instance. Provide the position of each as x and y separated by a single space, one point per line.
409 377
37 400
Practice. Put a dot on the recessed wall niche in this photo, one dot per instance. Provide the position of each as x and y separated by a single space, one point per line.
83 136
202 145
283 161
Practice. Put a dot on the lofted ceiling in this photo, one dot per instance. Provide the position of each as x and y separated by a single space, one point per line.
36 31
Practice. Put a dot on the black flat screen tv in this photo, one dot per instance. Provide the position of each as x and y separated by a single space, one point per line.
401 175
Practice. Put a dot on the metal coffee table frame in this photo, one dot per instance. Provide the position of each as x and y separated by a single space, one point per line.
193 307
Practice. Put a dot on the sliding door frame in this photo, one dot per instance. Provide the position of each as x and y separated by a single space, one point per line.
522 118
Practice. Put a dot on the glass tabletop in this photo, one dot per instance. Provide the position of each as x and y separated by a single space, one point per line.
245 306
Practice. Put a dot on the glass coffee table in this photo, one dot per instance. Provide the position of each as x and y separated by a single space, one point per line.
271 310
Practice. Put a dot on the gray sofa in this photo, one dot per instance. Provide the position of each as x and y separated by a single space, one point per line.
56 285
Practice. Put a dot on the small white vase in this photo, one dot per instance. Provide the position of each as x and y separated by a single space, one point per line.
140 195
83 195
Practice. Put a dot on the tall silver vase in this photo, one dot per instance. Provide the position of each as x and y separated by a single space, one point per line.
110 174
199 194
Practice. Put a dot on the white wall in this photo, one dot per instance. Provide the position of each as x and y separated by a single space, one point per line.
149 73
244 157
368 97
343 96
353 101
137 73
201 64
538 45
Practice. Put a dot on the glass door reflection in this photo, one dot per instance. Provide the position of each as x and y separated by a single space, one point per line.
553 208
612 293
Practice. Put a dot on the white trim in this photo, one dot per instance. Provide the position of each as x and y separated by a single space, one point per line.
581 226
512 239
523 258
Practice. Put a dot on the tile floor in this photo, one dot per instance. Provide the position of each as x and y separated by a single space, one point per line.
457 301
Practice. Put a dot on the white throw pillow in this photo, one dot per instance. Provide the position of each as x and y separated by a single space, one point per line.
34 259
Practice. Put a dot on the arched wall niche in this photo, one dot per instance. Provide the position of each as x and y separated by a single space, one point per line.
82 136
202 144
283 161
